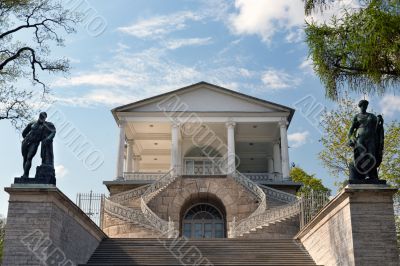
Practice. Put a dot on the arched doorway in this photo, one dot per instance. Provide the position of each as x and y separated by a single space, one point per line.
203 220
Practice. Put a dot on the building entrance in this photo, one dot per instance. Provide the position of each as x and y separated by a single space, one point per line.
203 220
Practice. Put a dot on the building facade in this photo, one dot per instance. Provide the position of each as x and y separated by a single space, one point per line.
205 162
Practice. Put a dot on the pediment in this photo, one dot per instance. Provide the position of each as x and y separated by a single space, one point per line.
203 97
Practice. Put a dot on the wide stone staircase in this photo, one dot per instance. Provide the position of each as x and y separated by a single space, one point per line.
119 251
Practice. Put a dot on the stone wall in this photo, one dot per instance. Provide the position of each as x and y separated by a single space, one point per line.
173 201
223 192
45 227
356 228
118 228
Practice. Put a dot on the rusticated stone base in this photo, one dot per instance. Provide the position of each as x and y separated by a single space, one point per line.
172 202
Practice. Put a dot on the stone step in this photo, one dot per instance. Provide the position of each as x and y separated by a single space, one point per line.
121 251
283 229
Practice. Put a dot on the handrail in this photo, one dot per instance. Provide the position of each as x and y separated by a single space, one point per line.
255 189
278 194
263 219
125 213
159 184
158 223
145 216
130 194
261 216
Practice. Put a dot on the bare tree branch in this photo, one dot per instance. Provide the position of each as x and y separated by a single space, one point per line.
47 21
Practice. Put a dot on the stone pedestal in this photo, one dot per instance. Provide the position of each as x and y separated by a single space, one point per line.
356 228
45 174
44 227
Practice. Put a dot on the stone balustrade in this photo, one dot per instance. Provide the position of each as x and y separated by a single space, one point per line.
142 176
263 177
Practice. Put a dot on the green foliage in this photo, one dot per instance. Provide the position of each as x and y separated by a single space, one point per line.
397 222
310 182
359 49
336 155
312 5
2 232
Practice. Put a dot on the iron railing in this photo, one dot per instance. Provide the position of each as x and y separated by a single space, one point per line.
91 204
310 204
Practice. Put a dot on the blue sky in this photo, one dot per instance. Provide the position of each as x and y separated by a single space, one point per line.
143 48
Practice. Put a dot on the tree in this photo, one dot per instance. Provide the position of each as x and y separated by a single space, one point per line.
359 49
44 20
336 155
2 234
310 182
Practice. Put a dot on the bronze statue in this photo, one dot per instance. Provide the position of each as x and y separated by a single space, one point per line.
366 136
35 133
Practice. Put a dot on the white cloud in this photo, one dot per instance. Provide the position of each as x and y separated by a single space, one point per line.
266 17
61 171
128 77
99 97
118 79
390 104
298 139
178 43
159 26
279 79
295 36
307 66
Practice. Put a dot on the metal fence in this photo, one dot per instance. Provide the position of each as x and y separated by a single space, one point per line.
310 204
91 204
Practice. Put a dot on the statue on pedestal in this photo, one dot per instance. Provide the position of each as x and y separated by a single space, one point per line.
366 136
36 133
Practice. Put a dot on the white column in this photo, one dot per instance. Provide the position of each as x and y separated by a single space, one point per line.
121 150
231 147
175 147
129 155
277 157
270 165
136 163
284 150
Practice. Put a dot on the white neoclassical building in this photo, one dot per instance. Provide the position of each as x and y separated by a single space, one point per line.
202 160
177 130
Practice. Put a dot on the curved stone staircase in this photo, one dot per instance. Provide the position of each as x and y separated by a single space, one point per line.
140 214
264 217
132 206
